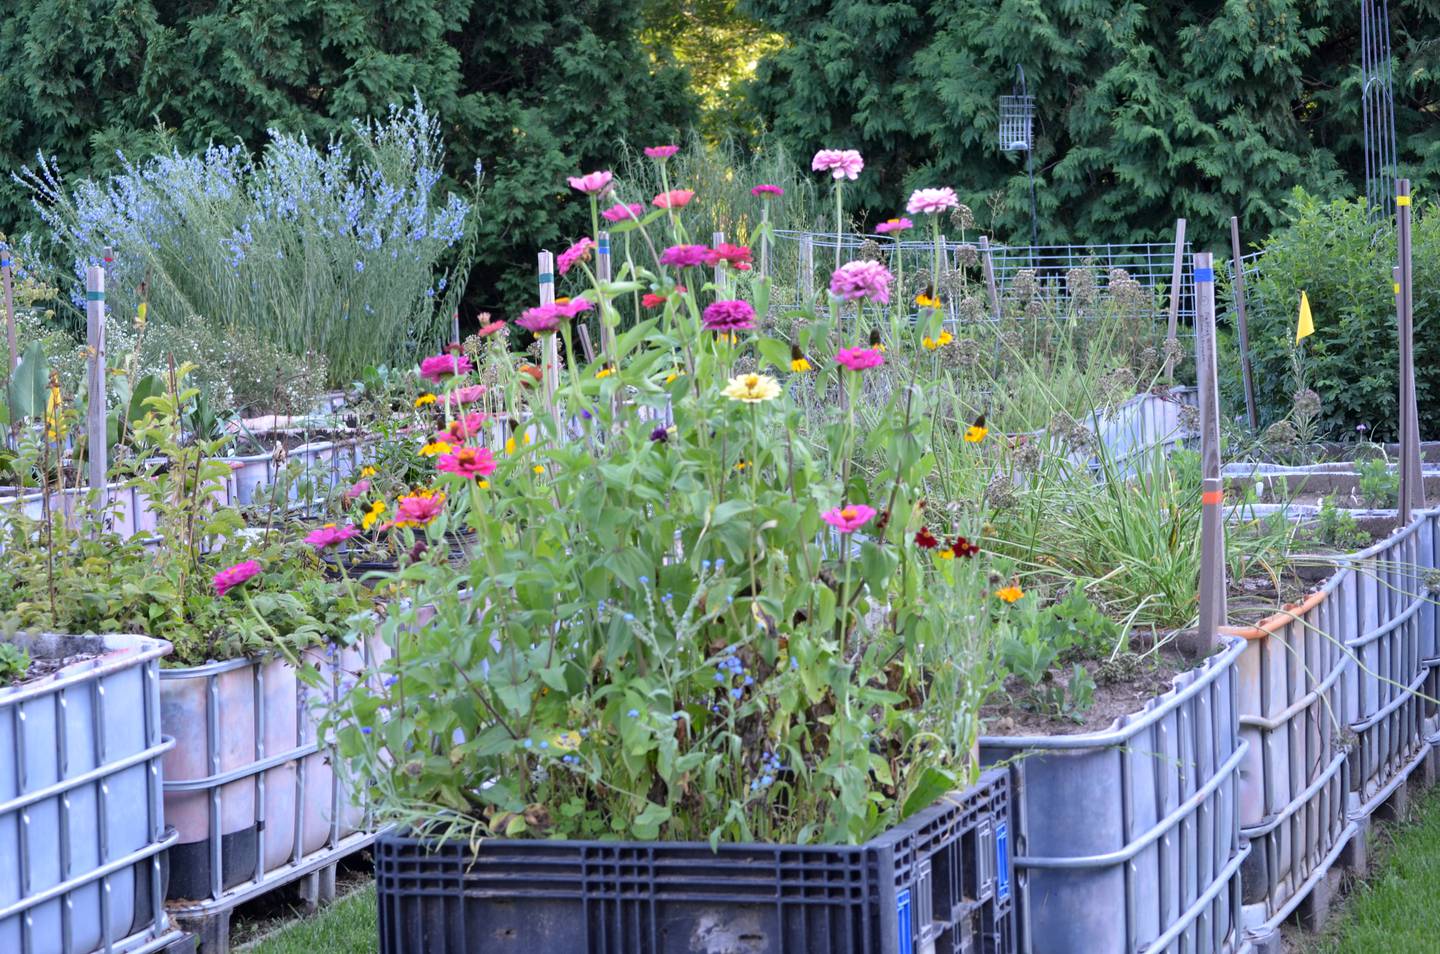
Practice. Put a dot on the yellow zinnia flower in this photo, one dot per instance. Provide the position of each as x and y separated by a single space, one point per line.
434 448
367 471
1010 593
424 399
752 388
372 515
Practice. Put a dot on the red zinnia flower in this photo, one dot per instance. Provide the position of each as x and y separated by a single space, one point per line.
925 540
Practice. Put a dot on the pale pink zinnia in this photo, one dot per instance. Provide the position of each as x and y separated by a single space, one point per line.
729 316
684 256
231 577
674 199
894 225
579 252
357 490
620 212
473 463
470 394
840 163
330 535
862 279
848 519
931 201
592 183
661 152
858 359
571 308
462 428
441 366
766 191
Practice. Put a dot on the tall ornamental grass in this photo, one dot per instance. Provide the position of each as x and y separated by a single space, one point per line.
347 251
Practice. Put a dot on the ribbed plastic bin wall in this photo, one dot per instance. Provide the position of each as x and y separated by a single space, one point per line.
81 826
249 786
1129 839
1146 421
324 464
938 883
1295 791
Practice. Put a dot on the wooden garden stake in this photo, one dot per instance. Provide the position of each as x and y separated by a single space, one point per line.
764 239
1412 483
549 349
95 413
717 240
1212 516
1243 326
988 263
6 267
602 272
1173 326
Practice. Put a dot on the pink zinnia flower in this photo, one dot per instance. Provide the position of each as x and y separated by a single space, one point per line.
736 255
765 191
330 535
620 212
592 183
441 366
470 462
571 308
461 428
227 579
579 252
652 300
840 163
492 328
858 359
684 256
894 225
674 199
357 489
729 316
848 519
540 320
855 280
661 152
931 201
470 394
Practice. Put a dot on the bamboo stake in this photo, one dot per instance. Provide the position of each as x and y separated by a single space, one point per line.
1242 325
1173 326
1212 520
95 413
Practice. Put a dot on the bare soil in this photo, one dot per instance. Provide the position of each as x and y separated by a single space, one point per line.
47 666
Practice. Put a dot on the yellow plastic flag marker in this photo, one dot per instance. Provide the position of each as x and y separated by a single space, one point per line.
1306 326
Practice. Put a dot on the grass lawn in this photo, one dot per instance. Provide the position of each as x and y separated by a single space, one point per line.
1397 910
345 927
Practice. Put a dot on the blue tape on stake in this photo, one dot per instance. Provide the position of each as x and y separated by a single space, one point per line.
547 278
94 296
605 248
5 263
1204 274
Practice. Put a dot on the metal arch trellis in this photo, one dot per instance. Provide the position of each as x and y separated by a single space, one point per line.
1378 106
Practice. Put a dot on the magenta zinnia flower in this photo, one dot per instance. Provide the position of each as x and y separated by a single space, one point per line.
736 255
356 490
592 183
231 577
858 359
571 308
766 191
473 463
729 316
684 256
441 366
468 395
848 519
330 535
620 212
855 280
579 252
661 152
674 199
540 320
894 225
931 201
462 428
840 163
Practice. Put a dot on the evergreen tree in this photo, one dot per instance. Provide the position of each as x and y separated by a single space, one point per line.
1145 112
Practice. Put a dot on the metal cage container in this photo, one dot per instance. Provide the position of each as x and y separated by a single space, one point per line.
1017 122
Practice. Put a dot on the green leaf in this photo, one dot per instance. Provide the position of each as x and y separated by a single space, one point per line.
933 783
28 384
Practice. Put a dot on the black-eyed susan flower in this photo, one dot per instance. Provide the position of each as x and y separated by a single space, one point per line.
425 399
928 298
976 432
798 362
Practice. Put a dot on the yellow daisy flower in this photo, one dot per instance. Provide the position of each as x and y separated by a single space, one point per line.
368 471
434 448
1010 593
752 388
424 399
377 509
927 301
509 445
976 432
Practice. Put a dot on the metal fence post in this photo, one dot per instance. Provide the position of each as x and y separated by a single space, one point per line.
1173 325
1212 520
98 445
807 269
1412 485
1242 325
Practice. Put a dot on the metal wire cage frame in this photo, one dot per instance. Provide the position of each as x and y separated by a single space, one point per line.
1377 93
1017 117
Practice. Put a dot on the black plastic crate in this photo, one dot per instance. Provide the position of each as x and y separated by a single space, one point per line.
937 884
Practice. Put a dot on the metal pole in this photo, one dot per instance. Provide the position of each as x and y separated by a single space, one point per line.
1034 213
6 266
550 351
807 268
95 412
602 272
1173 326
1412 487
988 265
1242 324
1212 519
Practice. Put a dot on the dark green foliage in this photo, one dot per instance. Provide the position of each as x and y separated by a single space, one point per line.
533 90
1145 112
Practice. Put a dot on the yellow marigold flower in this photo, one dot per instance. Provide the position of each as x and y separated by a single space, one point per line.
752 388
368 471
563 300
976 432
424 399
1010 593
435 447
566 741
372 515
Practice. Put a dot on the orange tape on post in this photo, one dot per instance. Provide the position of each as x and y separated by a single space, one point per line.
1212 497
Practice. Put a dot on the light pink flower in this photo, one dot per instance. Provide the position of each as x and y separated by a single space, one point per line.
858 359
766 191
729 316
470 394
848 519
357 489
862 279
894 225
540 320
462 428
592 183
620 212
571 308
471 462
579 252
231 577
674 199
330 535
931 201
418 510
684 256
661 152
441 366
493 327
840 163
